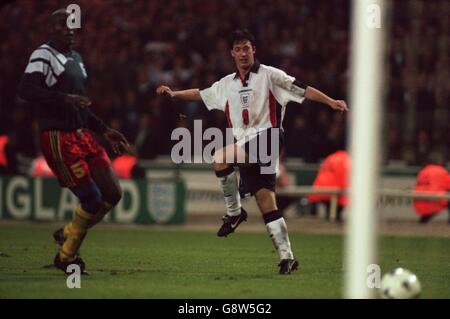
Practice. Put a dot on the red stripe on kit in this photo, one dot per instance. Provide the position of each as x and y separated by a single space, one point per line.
272 109
227 112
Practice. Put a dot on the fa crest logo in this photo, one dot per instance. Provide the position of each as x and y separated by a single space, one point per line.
245 96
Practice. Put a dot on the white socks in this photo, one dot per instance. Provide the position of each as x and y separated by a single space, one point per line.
229 183
277 230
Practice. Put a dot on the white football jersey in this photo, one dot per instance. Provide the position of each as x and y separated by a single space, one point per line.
255 103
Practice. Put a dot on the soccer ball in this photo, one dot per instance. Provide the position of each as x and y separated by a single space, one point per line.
400 284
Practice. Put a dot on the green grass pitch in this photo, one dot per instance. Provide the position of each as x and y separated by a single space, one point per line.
145 262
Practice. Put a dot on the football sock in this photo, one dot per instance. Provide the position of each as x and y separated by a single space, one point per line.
106 207
76 231
229 183
66 230
277 229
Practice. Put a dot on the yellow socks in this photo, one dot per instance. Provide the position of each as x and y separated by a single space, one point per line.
74 233
76 230
66 230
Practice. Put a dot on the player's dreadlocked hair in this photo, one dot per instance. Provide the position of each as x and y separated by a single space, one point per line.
241 35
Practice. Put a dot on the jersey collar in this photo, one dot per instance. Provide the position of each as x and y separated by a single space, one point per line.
253 69
52 45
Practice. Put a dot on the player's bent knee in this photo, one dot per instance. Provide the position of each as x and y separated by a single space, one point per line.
218 161
266 206
89 196
114 196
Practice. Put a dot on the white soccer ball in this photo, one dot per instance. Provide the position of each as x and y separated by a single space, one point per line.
400 284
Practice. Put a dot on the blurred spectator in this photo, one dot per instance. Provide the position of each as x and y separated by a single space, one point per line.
127 167
394 144
333 173
433 178
133 45
146 139
283 181
298 140
423 147
40 168
4 139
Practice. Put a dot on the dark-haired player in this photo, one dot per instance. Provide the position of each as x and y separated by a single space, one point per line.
254 100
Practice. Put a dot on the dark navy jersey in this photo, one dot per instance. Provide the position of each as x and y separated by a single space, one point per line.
49 76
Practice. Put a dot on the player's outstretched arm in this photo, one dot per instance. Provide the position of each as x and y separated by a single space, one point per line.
187 95
318 96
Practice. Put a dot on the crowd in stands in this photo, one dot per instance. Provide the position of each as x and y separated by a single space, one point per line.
129 47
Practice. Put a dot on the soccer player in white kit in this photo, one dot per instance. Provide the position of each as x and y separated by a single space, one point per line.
254 100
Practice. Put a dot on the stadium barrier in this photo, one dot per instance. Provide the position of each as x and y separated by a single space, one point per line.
207 203
386 196
162 200
155 201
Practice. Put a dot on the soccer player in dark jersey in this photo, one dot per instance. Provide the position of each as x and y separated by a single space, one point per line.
54 82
